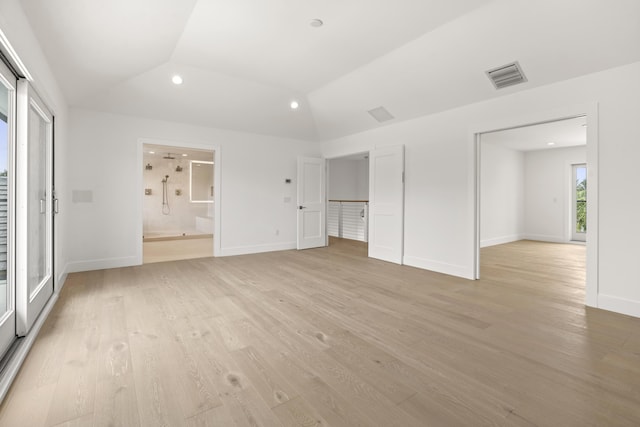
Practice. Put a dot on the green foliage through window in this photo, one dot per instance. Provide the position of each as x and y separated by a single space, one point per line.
581 205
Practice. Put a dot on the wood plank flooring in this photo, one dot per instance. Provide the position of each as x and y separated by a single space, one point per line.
163 249
327 337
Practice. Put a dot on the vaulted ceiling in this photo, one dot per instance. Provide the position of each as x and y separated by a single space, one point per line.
244 61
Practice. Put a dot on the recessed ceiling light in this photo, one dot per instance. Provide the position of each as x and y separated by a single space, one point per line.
295 105
551 143
177 80
184 155
316 23
152 152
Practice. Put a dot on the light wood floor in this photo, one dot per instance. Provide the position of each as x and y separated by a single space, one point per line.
328 337
162 250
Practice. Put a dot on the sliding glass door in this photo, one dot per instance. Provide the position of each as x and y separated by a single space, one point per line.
7 208
35 208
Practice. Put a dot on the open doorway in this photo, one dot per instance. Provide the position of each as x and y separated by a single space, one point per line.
348 201
178 203
532 199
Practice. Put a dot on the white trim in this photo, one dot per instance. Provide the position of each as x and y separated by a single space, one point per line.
256 249
439 267
217 193
101 264
13 57
17 359
619 305
500 240
590 111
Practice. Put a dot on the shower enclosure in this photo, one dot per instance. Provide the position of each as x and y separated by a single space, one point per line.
169 211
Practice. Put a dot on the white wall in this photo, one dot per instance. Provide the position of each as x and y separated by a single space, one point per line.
107 232
501 195
17 29
439 200
348 179
180 218
548 178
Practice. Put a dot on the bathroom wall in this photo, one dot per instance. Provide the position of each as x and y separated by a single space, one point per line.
182 217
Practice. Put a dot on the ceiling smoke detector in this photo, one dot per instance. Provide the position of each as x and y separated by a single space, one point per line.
381 114
507 75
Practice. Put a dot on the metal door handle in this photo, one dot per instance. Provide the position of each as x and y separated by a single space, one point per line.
302 207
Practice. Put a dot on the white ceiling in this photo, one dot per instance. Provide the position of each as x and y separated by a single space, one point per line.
563 133
243 61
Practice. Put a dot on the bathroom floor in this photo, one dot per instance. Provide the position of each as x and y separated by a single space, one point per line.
177 249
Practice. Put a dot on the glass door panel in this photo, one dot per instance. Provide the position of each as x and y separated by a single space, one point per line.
7 256
579 203
39 268
35 271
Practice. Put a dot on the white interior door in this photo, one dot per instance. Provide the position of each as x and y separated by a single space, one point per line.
311 203
386 204
7 178
35 205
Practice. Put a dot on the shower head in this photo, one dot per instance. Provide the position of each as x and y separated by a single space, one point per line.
169 157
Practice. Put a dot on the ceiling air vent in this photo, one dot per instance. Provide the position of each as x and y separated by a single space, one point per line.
507 75
381 114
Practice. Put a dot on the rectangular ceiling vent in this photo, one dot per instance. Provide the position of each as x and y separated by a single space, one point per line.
381 114
507 75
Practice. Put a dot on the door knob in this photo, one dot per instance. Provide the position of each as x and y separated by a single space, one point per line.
302 207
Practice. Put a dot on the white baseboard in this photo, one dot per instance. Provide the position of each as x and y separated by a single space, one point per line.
544 238
101 264
619 305
439 267
500 240
246 250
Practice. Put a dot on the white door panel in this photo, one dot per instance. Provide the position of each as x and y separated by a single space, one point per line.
311 203
386 204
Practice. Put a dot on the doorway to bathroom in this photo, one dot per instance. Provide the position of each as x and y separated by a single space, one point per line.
178 203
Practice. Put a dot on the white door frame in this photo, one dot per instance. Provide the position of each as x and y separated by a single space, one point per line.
217 194
590 112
